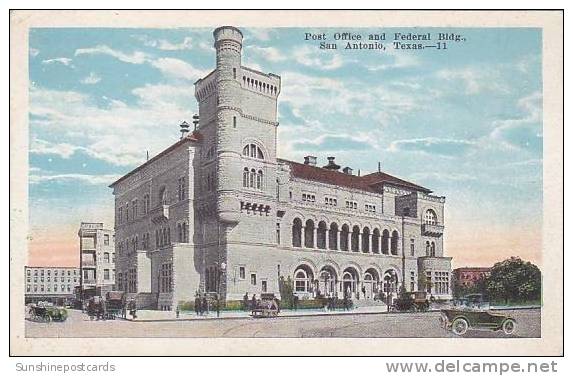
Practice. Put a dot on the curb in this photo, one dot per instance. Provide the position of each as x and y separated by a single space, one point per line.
311 315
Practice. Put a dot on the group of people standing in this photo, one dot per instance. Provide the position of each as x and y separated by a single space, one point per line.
203 305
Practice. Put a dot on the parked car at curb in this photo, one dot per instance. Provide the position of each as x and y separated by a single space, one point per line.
472 312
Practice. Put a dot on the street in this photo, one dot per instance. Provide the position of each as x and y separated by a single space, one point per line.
396 325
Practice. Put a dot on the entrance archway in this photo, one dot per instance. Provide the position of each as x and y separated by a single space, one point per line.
327 281
370 283
349 281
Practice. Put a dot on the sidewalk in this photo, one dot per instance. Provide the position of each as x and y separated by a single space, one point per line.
152 315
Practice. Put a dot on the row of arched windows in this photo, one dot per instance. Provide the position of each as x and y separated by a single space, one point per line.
253 178
343 239
430 249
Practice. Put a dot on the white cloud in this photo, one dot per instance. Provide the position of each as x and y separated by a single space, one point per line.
260 34
82 178
63 150
163 44
522 132
271 54
117 133
178 69
60 60
136 57
474 80
446 147
398 59
91 79
315 58
34 52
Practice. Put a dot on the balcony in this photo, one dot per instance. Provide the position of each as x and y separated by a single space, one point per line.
432 230
88 264
89 281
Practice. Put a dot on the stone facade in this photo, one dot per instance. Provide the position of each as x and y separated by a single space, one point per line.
219 212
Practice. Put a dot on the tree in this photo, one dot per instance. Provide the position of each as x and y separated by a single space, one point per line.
287 292
514 279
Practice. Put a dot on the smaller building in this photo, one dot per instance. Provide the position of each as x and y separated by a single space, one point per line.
97 260
467 276
50 284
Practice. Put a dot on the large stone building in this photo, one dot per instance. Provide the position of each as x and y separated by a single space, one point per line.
51 284
97 259
218 211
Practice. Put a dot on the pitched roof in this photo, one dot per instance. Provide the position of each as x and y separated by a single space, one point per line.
191 137
368 183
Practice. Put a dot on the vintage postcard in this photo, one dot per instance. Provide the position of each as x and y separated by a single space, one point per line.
253 182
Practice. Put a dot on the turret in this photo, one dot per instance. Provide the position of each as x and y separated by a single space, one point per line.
228 45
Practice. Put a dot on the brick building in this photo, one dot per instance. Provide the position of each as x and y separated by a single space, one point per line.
50 284
218 211
468 276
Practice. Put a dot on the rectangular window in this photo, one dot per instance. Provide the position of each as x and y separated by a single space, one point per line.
278 233
181 188
234 119
106 257
134 209
412 247
146 204
264 286
241 272
106 274
105 239
253 279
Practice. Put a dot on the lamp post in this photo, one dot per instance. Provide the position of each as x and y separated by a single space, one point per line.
221 274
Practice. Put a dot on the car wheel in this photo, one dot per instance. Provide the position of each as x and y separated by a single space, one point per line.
460 326
509 326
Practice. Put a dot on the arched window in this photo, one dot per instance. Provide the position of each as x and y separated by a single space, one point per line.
253 151
321 235
394 243
430 217
297 233
303 279
427 248
260 180
333 236
433 249
376 241
354 239
252 177
162 196
385 241
309 234
366 240
344 238
184 228
179 233
246 178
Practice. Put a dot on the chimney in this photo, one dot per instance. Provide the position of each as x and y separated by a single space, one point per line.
347 170
331 165
310 160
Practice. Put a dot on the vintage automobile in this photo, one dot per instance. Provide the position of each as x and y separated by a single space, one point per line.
47 313
115 302
411 302
470 313
267 306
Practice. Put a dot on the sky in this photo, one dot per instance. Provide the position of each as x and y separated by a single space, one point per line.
465 122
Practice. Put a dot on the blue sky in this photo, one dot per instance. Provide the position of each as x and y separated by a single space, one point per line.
465 122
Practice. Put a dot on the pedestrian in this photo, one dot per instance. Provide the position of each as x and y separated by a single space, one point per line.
217 305
197 304
295 302
278 303
253 302
364 292
132 309
177 312
205 305
246 302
